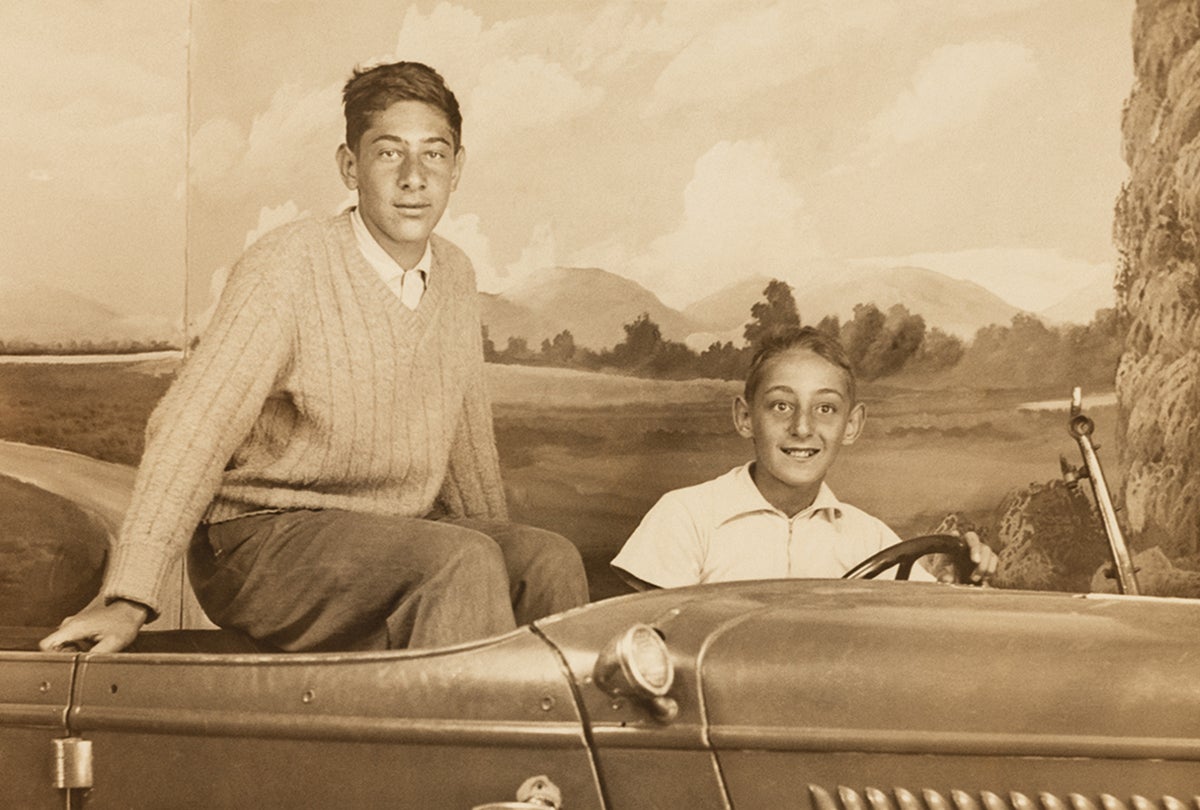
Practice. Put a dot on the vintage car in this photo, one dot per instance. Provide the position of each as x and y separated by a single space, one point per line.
853 694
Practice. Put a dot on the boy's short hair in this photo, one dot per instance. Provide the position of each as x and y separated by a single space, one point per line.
794 338
374 89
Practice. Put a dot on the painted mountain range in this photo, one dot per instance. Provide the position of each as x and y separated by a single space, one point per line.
594 305
42 314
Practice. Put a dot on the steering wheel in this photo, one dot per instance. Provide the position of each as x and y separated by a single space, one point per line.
903 554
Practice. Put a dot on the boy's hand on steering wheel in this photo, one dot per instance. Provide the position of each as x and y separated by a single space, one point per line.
984 558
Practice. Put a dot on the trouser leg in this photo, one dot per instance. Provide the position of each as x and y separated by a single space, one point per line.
545 571
323 580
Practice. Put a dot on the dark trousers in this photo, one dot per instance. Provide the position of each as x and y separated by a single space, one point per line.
336 580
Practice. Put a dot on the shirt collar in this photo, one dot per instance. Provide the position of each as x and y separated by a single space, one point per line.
387 267
744 498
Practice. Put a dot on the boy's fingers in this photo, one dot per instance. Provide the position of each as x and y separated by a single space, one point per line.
987 567
56 642
69 638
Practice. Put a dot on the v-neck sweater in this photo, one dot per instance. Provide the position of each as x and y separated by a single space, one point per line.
314 387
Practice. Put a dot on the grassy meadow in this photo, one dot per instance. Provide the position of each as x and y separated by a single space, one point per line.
587 454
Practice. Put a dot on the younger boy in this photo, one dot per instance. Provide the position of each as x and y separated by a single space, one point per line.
775 517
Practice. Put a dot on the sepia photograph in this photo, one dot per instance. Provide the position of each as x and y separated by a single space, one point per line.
542 403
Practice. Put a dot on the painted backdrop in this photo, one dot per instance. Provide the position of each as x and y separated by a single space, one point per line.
668 158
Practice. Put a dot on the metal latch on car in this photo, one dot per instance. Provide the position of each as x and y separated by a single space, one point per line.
535 793
72 763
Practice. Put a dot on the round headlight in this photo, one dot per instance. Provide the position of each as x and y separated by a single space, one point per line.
636 663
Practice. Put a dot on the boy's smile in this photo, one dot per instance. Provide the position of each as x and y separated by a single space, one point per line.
404 168
799 420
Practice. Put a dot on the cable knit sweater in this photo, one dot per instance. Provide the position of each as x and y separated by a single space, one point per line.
314 387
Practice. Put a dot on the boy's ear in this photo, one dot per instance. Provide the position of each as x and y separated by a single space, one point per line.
855 424
741 418
348 166
460 159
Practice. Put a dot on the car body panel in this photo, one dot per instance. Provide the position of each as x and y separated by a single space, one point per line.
831 695
35 690
461 726
624 731
928 687
811 691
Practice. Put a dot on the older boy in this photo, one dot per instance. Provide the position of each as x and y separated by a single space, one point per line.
775 517
330 435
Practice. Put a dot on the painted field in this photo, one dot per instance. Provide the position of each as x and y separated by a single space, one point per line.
587 454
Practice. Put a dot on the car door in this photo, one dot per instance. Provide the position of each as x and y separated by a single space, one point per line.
901 694
458 727
38 764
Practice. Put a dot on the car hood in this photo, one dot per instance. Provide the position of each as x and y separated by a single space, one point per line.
984 669
976 669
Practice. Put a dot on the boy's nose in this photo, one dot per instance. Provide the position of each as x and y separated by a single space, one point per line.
412 175
801 426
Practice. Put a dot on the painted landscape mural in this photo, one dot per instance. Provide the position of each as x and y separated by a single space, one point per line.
647 184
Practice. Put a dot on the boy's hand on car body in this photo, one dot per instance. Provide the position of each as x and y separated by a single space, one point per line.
103 628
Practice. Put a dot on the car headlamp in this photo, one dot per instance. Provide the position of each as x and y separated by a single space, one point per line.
638 664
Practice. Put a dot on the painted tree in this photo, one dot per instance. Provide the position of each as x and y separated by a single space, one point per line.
1158 379
776 311
561 350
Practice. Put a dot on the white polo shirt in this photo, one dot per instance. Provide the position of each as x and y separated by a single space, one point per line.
724 530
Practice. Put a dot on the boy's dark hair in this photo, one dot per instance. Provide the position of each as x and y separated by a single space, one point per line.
374 89
793 338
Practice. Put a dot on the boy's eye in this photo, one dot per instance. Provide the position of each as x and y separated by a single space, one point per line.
826 408
780 407
390 154
435 155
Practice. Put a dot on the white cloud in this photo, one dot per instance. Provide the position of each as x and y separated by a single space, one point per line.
1029 278
980 8
495 73
465 232
450 38
47 41
621 31
524 93
216 148
108 119
954 86
609 254
216 285
298 124
741 217
541 252
138 157
271 218
733 50
288 149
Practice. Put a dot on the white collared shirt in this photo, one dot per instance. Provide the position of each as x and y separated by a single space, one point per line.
408 285
724 530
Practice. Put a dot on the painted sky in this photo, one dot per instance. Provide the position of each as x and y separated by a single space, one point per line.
682 143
